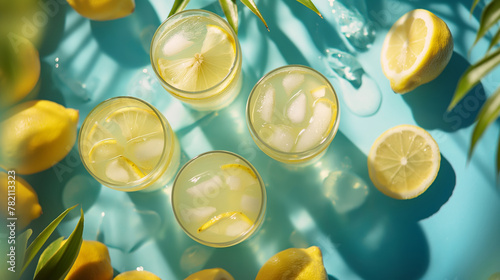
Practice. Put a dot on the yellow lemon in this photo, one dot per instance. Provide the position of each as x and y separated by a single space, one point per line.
136 275
19 70
416 50
294 264
17 190
35 135
211 274
93 262
103 9
404 161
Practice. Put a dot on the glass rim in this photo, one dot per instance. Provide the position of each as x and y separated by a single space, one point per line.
133 185
195 94
242 237
303 155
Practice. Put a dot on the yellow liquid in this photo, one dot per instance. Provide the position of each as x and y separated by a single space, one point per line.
125 144
218 199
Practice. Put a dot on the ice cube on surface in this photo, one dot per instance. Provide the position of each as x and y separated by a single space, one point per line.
291 82
278 136
176 44
122 170
250 204
237 227
296 111
146 151
208 188
345 65
266 104
318 127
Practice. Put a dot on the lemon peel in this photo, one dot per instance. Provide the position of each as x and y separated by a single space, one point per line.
93 262
211 274
223 216
103 9
35 135
416 50
136 275
404 161
294 264
237 166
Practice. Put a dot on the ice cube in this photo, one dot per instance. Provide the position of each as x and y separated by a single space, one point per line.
122 170
278 136
176 44
237 227
209 188
266 105
291 82
105 150
238 176
318 127
250 204
201 214
345 65
234 182
146 151
296 111
318 92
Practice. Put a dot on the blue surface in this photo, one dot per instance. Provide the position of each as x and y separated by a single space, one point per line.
452 231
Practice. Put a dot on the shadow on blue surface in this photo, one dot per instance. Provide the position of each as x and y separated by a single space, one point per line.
127 40
54 28
429 102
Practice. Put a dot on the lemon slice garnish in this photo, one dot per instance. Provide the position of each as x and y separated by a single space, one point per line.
404 161
416 50
205 68
135 122
223 217
123 170
238 167
105 150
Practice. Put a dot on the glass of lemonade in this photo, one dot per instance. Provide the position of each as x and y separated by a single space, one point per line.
197 58
128 145
219 199
293 114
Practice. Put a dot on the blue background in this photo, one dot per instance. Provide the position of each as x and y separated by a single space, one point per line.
452 231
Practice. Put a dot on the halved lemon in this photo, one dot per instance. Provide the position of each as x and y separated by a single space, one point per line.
237 216
416 50
404 161
135 122
205 68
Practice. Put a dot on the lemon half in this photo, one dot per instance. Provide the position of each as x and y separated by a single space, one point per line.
416 50
404 161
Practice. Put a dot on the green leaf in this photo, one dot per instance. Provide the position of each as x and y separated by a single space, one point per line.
489 17
498 159
48 253
310 5
251 5
59 264
489 113
178 6
42 238
231 11
473 6
473 76
495 40
22 243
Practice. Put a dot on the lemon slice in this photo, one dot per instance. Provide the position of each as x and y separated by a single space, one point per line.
105 150
236 168
232 217
205 68
404 161
123 170
416 50
135 122
238 176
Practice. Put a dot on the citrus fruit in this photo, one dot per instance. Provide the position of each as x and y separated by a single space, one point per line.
135 122
294 264
219 219
416 50
211 274
19 70
205 68
27 207
136 275
103 9
35 135
404 161
93 262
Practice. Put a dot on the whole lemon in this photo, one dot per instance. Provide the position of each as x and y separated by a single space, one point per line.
19 70
136 275
35 135
93 262
17 190
296 264
211 274
103 9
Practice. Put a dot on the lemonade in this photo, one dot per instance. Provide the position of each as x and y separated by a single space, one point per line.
197 58
219 199
292 114
126 144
